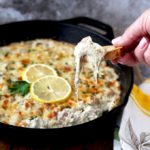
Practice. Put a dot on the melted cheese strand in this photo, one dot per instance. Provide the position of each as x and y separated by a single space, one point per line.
94 54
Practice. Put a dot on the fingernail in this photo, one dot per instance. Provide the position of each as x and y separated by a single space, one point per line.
142 43
116 40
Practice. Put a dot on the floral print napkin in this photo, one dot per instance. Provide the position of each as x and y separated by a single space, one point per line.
134 130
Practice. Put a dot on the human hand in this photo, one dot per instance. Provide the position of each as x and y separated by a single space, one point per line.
136 42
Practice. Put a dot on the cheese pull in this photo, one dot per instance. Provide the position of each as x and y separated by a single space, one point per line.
112 52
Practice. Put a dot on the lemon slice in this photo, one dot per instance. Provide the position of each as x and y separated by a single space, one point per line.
37 71
50 89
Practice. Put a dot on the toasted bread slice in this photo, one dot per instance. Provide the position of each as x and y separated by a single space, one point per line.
112 52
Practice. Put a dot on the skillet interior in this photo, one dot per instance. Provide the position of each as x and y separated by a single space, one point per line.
28 30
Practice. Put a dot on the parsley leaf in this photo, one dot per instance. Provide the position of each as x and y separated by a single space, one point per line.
20 87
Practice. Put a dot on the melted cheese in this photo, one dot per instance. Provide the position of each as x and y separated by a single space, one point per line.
94 54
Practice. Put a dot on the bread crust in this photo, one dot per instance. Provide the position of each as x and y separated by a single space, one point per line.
112 52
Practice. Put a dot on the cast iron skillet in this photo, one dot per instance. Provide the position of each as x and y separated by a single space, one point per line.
71 31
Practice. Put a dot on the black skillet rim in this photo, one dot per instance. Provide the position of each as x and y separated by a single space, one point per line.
86 30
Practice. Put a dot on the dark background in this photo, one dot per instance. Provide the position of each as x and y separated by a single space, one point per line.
117 13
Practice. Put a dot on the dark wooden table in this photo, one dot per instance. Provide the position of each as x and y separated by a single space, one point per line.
105 143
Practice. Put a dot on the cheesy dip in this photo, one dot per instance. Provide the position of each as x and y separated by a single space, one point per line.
20 109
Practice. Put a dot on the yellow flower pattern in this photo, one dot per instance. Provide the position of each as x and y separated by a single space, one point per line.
141 99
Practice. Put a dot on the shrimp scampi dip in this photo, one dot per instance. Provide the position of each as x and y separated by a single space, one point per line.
37 87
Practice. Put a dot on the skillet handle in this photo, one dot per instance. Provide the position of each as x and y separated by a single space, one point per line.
102 28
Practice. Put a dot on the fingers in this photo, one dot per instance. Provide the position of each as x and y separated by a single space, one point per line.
130 37
134 33
136 42
147 56
129 59
141 49
140 54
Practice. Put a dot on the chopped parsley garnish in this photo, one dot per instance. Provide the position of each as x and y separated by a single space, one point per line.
30 50
19 87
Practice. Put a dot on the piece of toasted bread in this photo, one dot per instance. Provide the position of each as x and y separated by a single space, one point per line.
112 52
